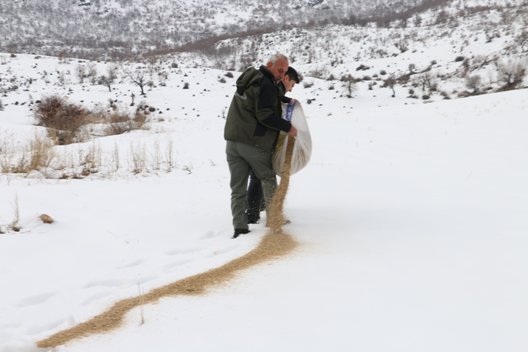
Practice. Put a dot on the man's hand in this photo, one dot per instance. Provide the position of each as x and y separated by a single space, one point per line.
293 132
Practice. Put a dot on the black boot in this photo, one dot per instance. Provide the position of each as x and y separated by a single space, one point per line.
253 218
239 232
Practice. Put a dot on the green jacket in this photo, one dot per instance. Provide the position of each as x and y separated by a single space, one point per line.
254 116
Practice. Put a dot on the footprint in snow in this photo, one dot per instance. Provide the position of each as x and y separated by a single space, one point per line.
210 234
171 266
223 250
34 300
182 251
38 329
96 297
103 283
131 264
145 279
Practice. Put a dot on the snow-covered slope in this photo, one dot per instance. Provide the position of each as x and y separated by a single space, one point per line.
467 48
103 28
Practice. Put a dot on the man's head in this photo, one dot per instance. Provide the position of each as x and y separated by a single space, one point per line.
291 77
277 65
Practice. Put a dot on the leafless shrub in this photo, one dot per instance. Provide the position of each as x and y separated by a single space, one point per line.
442 16
412 94
474 82
402 45
511 74
350 84
81 73
390 83
110 77
522 39
426 81
92 73
445 95
63 120
118 123
318 73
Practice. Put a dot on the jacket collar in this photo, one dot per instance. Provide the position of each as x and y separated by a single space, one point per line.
266 72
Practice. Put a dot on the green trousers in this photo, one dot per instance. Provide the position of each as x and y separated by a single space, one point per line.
242 158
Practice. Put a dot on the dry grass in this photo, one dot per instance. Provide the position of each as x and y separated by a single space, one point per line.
37 155
119 123
40 153
138 158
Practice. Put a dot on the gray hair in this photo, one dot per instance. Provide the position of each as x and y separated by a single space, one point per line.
276 57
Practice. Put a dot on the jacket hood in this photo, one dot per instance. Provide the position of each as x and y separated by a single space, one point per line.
252 76
246 79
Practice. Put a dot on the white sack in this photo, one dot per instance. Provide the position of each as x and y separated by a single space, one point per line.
302 149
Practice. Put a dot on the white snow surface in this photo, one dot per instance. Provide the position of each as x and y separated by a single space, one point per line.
411 221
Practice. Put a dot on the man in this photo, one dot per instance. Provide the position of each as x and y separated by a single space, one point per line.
252 127
254 192
291 77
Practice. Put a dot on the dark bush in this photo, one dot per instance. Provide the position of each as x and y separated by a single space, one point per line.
62 119
362 67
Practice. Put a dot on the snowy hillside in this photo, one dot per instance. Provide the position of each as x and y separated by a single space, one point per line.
467 48
109 28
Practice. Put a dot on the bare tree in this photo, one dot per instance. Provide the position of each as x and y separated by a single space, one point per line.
522 39
140 78
390 83
81 73
350 84
110 77
92 73
423 80
473 83
511 73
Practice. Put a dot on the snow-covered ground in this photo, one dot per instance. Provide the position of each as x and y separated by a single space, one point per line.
411 221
